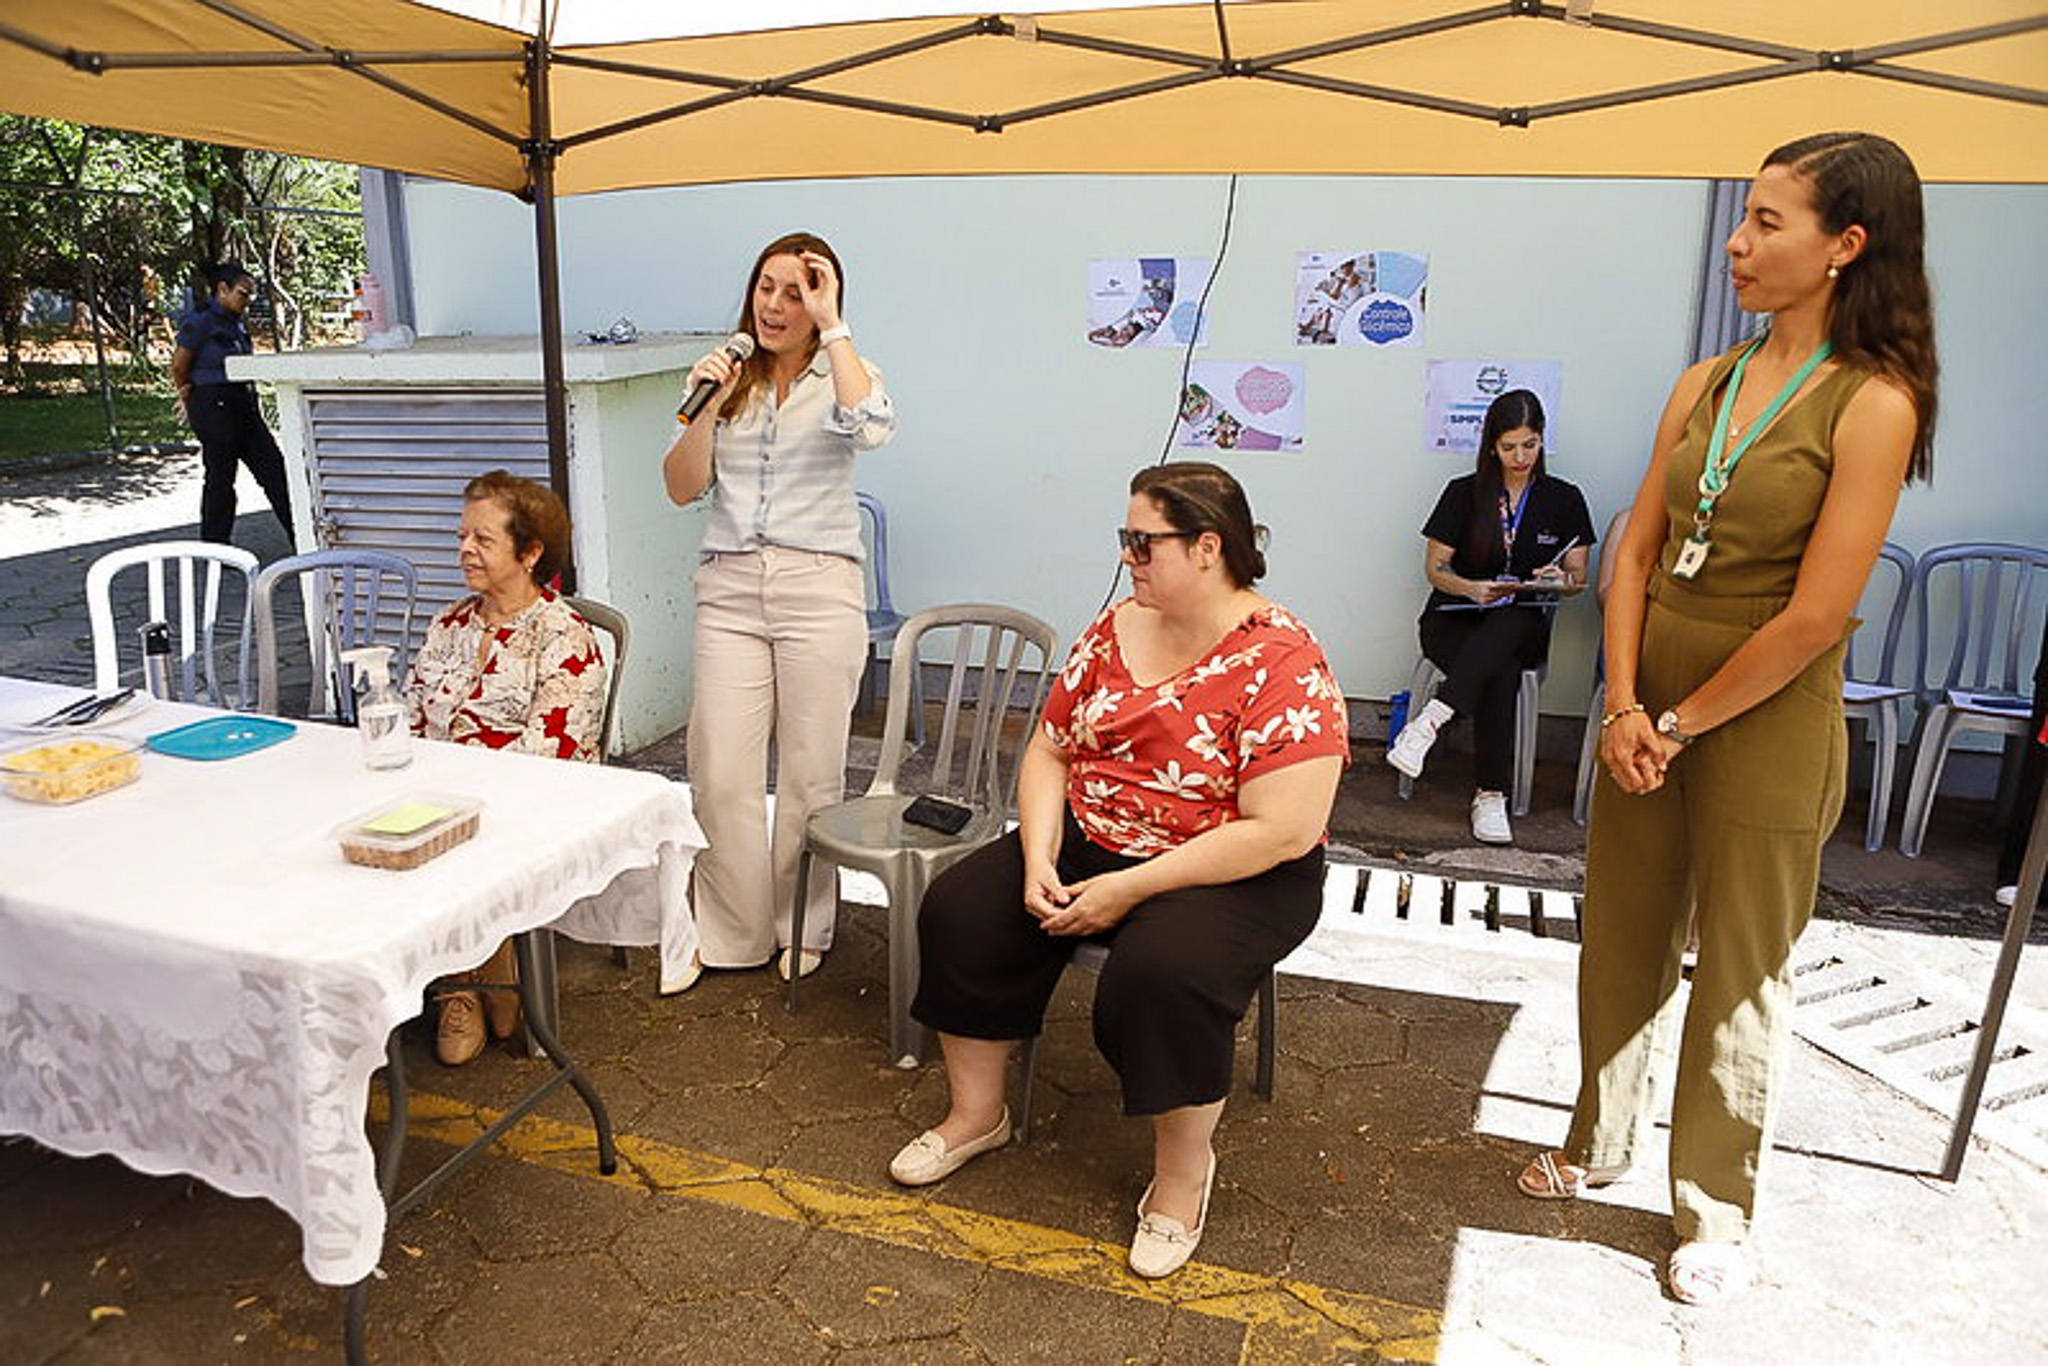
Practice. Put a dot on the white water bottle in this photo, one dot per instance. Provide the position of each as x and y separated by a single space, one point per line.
380 716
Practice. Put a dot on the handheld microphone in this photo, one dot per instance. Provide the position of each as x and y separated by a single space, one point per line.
738 346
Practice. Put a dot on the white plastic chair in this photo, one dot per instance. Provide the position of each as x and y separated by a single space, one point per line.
1422 686
1997 594
351 597
1873 696
998 670
1596 706
193 624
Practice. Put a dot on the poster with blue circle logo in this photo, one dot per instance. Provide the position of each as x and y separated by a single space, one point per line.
1360 298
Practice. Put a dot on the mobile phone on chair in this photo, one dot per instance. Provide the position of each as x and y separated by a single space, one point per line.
935 813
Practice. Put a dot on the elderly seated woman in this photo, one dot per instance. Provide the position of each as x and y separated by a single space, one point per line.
1173 809
511 666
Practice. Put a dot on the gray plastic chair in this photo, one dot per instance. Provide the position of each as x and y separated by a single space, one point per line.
1422 686
997 669
1874 695
194 623
1092 957
1985 600
613 623
352 597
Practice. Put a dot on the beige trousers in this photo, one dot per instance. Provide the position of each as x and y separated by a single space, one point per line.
781 638
1732 837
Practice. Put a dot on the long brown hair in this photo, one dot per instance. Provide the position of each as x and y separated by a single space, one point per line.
756 370
1515 408
1882 315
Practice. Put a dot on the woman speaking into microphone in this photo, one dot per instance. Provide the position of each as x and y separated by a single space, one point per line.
781 606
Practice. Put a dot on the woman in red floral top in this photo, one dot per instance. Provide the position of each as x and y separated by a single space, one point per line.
511 666
1171 807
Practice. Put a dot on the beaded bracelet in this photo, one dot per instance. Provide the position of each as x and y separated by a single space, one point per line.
1631 709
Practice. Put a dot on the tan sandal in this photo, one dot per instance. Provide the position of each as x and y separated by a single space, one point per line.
1702 1273
1551 1177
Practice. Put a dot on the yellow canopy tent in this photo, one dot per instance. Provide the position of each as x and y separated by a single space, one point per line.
577 96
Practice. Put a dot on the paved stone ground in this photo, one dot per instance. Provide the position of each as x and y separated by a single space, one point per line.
1364 1214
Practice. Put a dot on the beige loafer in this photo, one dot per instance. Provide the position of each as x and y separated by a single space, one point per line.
926 1158
1163 1244
808 961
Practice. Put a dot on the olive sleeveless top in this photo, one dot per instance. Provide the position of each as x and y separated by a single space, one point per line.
1767 512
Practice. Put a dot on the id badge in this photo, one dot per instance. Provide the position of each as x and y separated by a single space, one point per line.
1692 557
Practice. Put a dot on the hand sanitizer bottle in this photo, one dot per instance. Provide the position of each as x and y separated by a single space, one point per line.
380 716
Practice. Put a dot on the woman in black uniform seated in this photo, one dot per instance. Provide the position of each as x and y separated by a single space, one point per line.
1506 523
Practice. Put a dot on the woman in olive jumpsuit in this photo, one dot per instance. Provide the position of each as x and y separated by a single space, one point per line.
1771 487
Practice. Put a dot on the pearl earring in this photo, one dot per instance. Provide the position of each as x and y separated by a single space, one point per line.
1834 272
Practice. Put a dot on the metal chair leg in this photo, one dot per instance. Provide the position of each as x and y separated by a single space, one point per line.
1020 1122
796 922
1269 1020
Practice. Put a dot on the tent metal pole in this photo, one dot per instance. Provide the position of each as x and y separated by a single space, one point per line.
2017 922
541 151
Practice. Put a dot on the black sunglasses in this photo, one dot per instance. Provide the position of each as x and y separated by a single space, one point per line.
1139 543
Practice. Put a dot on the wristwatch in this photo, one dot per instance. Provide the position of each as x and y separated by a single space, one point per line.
1667 726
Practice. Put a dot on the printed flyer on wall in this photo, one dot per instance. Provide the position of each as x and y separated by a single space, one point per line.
1234 406
1146 300
1461 390
1366 298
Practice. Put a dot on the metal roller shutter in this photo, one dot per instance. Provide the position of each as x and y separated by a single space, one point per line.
388 467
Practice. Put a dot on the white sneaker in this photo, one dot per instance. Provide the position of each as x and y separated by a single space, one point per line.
2006 895
1490 819
1411 747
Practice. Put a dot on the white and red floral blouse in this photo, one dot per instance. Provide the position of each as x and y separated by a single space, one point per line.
534 684
1152 766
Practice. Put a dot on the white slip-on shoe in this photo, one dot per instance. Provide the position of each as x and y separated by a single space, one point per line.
926 1158
811 958
1490 819
2007 894
1411 747
1163 1244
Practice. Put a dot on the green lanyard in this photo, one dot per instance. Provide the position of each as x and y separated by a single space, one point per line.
1714 475
1719 468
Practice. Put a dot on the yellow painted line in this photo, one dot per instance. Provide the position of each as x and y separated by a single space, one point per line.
1286 1321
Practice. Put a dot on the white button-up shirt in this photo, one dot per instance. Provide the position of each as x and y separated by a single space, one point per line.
782 474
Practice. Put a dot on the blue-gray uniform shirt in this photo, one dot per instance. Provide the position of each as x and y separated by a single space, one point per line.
212 334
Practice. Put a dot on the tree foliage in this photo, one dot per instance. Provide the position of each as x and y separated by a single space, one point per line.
124 222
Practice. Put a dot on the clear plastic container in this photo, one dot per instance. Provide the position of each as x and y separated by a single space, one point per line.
57 770
405 833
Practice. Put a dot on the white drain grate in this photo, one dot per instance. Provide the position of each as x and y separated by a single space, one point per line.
1365 899
1919 1037
1914 1034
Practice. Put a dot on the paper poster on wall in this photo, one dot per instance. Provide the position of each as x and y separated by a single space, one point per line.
1461 390
1366 298
1146 300
1234 406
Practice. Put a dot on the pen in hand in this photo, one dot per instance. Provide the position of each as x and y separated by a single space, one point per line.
1555 560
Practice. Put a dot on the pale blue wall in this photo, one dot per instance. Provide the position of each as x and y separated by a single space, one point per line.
1018 437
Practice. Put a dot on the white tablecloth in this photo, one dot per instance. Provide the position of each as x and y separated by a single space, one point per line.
194 980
